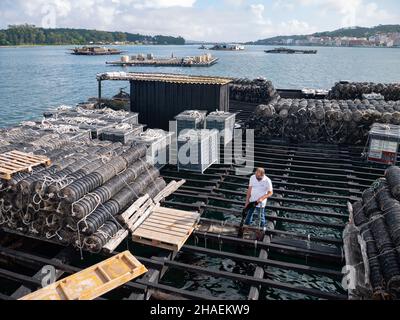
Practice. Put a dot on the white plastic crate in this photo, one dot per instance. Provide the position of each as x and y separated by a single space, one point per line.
190 120
158 143
197 150
384 140
224 122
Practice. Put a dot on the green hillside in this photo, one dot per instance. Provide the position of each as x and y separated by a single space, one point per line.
31 35
358 32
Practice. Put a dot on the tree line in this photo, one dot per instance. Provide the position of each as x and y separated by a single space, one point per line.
31 35
357 32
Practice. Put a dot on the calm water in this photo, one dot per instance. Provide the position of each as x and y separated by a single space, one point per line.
34 79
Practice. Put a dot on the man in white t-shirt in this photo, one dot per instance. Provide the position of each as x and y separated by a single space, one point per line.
260 189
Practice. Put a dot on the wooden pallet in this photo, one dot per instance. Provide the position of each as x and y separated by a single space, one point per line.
15 161
93 282
166 228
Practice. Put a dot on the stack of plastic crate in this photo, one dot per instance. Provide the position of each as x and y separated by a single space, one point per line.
190 120
123 132
158 143
224 122
197 150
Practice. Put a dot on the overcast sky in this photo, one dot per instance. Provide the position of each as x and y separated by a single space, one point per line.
206 20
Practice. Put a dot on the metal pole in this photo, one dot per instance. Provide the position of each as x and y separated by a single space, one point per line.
99 98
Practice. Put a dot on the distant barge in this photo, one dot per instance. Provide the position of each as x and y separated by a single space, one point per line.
227 47
149 61
291 51
95 51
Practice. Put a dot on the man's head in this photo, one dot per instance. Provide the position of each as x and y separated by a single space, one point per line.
260 173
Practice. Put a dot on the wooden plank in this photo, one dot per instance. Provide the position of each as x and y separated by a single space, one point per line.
5 160
168 190
6 170
167 216
158 244
133 208
161 221
11 165
176 213
14 161
29 155
116 241
93 282
141 214
168 228
23 159
159 232
164 229
17 159
144 233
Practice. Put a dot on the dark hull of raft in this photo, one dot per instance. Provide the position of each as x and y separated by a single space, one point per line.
162 64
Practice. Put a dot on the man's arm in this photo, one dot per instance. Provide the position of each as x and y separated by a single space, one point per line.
248 195
268 195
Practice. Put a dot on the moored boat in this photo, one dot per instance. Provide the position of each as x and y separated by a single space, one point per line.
95 51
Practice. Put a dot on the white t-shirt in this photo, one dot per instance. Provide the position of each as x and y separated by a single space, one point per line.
260 189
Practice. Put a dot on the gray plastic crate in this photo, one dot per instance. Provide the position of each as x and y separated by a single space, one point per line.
190 120
122 117
200 150
124 133
224 122
158 143
96 130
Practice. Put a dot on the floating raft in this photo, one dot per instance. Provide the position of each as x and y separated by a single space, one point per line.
291 51
93 282
166 228
15 161
172 62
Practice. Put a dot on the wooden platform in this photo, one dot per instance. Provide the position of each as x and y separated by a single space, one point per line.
15 161
166 228
93 282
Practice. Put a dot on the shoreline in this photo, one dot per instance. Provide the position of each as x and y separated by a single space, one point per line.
77 45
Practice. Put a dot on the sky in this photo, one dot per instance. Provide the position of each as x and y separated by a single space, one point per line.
202 20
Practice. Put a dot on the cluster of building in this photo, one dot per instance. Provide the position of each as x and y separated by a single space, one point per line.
379 40
122 43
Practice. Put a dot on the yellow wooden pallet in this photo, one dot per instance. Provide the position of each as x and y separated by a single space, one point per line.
166 228
15 161
93 282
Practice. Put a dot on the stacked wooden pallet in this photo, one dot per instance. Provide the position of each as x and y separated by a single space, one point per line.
15 161
155 226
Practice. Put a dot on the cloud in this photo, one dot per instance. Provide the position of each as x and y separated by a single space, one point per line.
352 12
284 4
216 20
258 11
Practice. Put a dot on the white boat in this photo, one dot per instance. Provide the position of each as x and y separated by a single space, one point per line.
228 47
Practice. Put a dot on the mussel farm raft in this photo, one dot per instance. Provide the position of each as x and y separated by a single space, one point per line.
300 255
